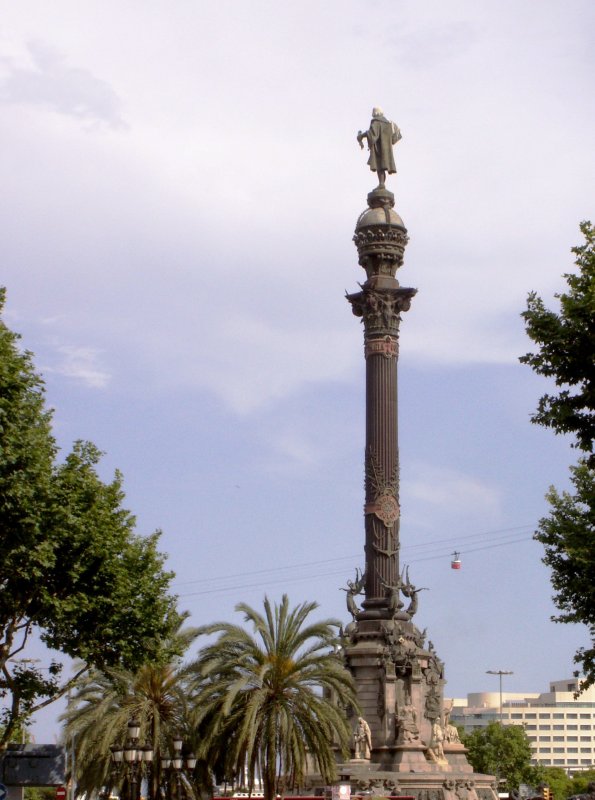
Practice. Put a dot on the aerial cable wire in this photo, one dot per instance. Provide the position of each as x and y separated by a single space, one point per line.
310 577
449 544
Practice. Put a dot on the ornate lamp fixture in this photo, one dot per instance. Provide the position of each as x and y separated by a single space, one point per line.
176 771
132 761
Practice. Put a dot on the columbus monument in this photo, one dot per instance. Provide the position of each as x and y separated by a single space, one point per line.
403 741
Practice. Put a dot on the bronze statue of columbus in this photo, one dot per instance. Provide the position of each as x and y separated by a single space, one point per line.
381 135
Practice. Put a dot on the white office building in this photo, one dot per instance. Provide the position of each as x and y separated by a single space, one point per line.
560 728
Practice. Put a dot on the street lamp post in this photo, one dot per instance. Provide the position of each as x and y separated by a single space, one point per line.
176 769
133 760
500 673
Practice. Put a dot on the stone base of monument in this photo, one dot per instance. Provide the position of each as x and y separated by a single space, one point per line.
409 758
422 782
416 752
456 755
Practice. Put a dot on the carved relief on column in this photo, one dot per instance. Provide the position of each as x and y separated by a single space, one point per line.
381 309
382 525
380 247
387 346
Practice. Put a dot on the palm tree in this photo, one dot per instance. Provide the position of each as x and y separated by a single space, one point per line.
97 716
271 700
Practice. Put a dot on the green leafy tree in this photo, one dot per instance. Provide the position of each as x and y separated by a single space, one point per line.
503 751
270 699
568 535
566 342
580 782
39 793
558 781
73 570
157 696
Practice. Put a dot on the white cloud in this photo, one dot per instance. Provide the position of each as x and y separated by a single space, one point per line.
292 450
48 81
80 364
251 362
452 491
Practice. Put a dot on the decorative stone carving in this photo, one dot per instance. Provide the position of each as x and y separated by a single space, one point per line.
406 721
393 601
362 739
380 245
410 591
380 701
353 589
386 508
384 505
435 751
451 734
466 790
433 679
430 794
387 346
392 786
381 309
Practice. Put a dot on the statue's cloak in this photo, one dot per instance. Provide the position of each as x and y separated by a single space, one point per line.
382 135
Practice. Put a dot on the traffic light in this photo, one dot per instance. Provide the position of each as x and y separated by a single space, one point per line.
546 793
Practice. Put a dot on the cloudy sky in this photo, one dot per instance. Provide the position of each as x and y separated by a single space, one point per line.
180 184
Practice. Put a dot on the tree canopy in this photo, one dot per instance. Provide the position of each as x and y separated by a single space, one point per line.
566 348
157 696
271 698
566 341
73 569
558 781
568 535
503 751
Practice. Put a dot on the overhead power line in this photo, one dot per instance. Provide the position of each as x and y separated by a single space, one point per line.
450 543
444 553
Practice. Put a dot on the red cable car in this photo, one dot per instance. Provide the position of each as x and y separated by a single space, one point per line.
456 561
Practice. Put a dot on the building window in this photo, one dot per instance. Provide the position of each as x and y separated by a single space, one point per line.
585 716
573 760
585 749
530 716
558 716
545 716
516 716
558 739
572 750
558 727
558 760
572 727
570 716
585 760
545 738
545 727
530 727
545 749
558 749
572 738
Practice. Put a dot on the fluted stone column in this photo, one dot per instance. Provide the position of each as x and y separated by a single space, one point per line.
380 237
